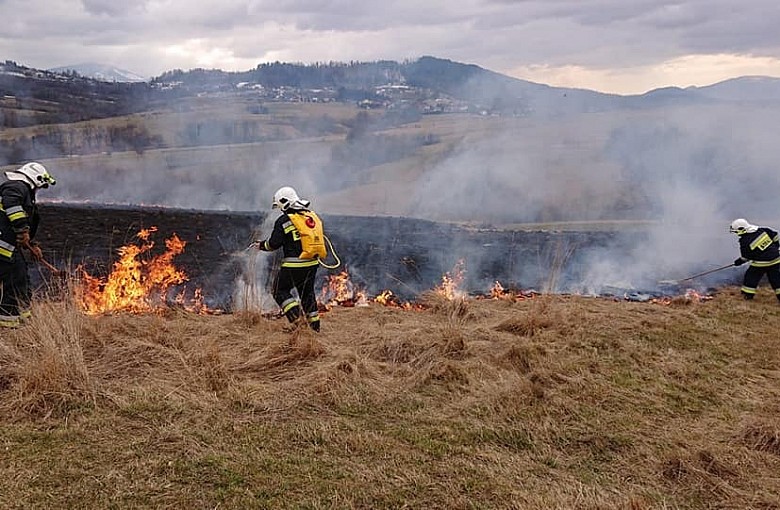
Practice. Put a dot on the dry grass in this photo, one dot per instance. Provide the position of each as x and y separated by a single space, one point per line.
553 402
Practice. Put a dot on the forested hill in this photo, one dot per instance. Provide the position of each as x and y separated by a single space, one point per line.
30 96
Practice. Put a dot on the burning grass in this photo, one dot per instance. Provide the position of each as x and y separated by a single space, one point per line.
550 402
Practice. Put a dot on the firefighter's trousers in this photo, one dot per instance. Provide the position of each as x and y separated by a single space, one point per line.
15 292
753 275
302 280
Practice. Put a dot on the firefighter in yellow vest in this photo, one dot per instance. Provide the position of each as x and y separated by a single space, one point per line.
299 233
761 247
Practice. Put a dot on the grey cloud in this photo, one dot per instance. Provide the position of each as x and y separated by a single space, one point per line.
374 16
112 7
741 32
497 34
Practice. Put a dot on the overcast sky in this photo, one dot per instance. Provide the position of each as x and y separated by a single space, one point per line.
622 46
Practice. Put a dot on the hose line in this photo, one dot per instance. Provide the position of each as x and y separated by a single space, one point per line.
335 256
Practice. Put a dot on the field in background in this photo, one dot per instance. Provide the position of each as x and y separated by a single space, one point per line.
559 168
299 139
550 402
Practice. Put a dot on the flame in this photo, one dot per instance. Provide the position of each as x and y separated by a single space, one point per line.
450 282
497 291
339 290
387 298
695 296
136 285
690 296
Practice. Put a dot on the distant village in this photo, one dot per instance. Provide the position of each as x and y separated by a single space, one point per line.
395 95
388 97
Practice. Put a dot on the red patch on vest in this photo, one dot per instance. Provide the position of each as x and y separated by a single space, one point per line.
310 222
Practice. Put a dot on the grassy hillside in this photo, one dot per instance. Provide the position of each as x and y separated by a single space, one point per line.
551 402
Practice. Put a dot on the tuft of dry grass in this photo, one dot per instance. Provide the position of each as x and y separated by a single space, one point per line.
45 372
552 402
763 437
541 315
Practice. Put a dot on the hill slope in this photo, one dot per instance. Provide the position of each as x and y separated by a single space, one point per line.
552 402
101 72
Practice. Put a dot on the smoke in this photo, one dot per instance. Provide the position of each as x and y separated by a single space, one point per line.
667 181
686 173
252 289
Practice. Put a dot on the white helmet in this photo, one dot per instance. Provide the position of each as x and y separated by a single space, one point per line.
286 198
741 226
34 174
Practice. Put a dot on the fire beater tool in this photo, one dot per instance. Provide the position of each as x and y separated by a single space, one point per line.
51 267
675 282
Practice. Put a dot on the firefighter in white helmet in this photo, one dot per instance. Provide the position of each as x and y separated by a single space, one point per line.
18 224
299 232
761 247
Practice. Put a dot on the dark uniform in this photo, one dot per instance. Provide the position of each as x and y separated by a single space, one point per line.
295 273
17 202
762 249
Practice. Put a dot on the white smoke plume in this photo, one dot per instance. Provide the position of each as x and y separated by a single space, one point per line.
685 172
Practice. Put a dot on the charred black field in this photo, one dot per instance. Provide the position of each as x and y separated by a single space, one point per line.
405 255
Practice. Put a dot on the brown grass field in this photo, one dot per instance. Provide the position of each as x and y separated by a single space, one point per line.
551 402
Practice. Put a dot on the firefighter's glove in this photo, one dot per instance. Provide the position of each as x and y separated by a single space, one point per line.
739 261
23 238
258 245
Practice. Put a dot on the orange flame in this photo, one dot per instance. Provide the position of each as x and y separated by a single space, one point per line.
136 285
690 296
450 282
497 291
339 290
387 298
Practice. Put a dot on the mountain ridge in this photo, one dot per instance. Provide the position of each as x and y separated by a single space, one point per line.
101 72
424 84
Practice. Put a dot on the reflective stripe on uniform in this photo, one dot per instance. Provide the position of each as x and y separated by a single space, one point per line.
748 290
288 227
762 240
298 262
763 263
15 213
10 321
313 316
288 304
6 249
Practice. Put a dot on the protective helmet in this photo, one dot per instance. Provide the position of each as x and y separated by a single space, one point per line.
34 174
286 198
741 226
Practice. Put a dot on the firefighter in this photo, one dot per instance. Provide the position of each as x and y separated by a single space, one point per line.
298 231
18 224
761 247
